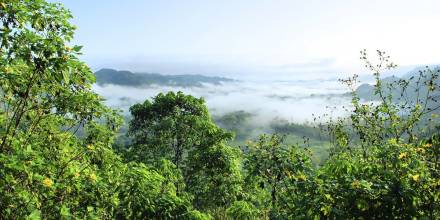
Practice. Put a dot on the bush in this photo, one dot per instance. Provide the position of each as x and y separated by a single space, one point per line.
242 210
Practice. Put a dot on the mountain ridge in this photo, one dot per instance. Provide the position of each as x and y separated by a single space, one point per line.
106 76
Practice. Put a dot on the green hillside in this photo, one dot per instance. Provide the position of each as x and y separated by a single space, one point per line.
127 78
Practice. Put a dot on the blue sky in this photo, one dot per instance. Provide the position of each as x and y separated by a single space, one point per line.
233 37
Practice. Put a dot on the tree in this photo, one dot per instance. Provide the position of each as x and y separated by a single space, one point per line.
48 169
213 176
169 126
381 167
147 194
277 172
243 211
178 127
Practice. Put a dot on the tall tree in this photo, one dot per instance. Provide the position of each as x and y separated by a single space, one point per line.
170 126
45 96
47 169
177 127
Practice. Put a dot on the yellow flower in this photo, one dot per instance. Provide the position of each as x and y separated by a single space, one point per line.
415 178
76 174
90 147
428 145
8 69
301 177
402 155
289 174
47 182
419 149
356 184
93 177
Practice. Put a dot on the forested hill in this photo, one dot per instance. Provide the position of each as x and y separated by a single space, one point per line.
127 78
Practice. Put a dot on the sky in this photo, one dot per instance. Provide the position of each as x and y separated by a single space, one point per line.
273 38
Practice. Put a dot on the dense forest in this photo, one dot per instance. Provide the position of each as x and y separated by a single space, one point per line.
59 158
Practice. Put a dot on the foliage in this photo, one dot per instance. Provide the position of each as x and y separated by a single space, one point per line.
242 210
47 168
178 127
237 122
214 176
146 194
379 168
303 130
393 116
275 171
394 182
47 171
169 126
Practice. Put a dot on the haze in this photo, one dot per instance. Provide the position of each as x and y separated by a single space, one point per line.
307 45
249 39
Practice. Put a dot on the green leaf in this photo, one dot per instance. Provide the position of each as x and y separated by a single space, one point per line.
90 209
35 215
65 212
28 148
77 48
66 76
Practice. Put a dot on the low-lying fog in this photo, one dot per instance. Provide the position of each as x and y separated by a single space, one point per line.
295 101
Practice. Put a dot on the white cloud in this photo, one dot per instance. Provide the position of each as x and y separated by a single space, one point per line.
268 100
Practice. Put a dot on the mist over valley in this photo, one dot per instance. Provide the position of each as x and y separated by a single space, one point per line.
291 100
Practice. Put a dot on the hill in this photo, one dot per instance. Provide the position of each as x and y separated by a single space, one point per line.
127 78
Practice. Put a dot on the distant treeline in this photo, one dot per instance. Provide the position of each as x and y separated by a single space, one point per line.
127 78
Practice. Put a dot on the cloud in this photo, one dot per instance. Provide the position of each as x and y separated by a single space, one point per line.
295 101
